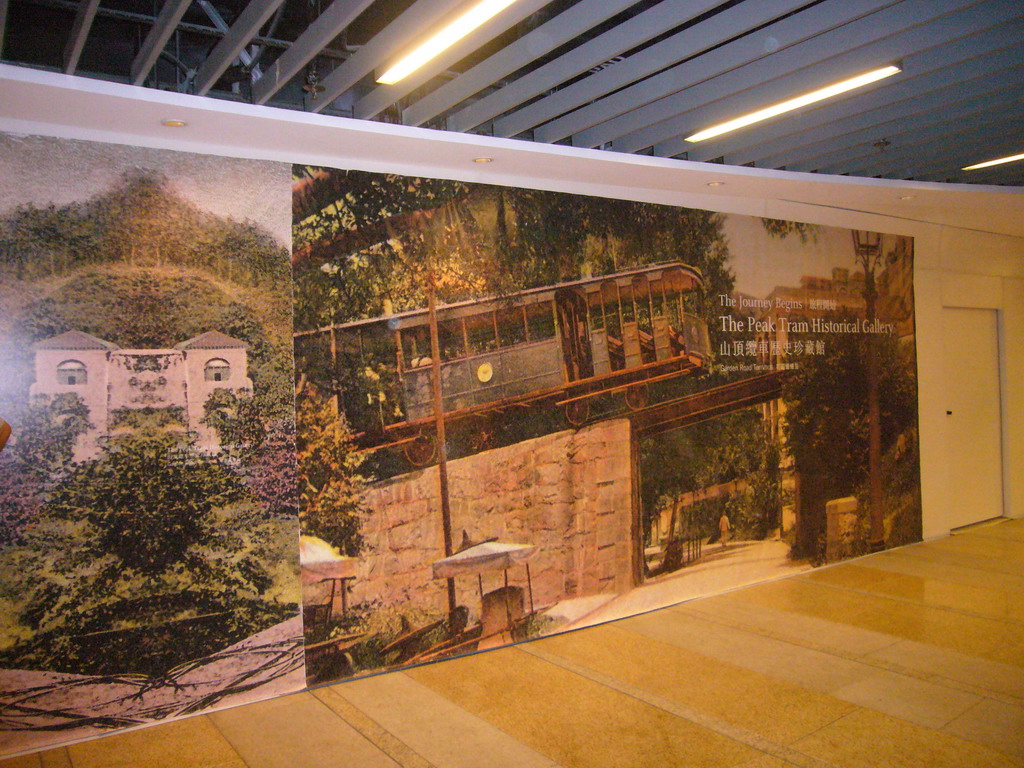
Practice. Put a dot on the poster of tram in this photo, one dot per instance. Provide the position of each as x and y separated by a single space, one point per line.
521 412
148 524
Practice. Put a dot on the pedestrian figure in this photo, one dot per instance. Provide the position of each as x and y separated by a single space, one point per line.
724 528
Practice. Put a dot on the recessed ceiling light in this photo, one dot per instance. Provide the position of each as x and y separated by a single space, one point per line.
173 123
445 38
997 161
795 103
716 183
483 159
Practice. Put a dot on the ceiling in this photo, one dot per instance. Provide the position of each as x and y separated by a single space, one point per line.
619 75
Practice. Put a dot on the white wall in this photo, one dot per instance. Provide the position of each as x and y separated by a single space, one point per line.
969 240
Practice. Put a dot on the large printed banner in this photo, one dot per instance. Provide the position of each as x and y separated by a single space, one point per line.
467 415
521 412
148 530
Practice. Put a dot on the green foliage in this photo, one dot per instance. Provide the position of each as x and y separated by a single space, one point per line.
730 448
827 397
141 222
47 431
330 485
146 535
781 229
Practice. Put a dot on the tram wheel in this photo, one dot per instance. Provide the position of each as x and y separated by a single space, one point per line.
421 450
577 412
637 396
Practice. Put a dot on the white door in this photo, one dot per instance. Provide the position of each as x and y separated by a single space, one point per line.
973 415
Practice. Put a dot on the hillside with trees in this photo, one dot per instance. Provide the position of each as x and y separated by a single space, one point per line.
150 553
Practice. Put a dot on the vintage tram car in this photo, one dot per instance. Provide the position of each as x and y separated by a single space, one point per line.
564 344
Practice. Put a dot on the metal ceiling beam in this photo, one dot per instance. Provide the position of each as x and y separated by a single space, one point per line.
246 26
413 24
655 99
592 53
566 26
381 97
802 153
985 53
878 39
960 146
79 33
988 91
161 31
950 164
928 128
1010 173
594 90
932 140
851 150
327 26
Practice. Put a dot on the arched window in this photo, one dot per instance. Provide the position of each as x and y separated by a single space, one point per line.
71 373
218 370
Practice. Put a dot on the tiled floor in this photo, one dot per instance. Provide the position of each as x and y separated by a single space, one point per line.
906 658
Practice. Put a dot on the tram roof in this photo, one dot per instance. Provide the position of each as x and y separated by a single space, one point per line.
469 307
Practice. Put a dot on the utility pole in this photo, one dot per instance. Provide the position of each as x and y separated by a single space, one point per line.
442 451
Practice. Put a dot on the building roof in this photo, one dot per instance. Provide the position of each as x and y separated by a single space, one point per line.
212 340
74 340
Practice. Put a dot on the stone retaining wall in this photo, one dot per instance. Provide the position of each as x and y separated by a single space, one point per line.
569 493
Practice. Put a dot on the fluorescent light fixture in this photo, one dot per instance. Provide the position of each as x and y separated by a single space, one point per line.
997 161
795 103
447 37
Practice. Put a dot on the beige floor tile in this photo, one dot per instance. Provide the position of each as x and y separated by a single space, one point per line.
983 601
980 674
799 627
765 761
297 731
848 680
994 724
865 739
999 547
377 735
1010 530
56 758
977 635
769 707
443 733
901 561
23 761
193 741
573 720
960 558
799 665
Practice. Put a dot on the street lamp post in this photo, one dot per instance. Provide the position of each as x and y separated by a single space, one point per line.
868 249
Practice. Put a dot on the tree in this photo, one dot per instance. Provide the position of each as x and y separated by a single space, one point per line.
827 420
146 535
330 485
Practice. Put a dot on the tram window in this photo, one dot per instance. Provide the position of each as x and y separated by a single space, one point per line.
416 346
658 297
609 296
596 312
540 321
641 298
511 327
451 340
628 309
480 333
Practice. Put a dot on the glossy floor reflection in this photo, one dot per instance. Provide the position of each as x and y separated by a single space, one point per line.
906 658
